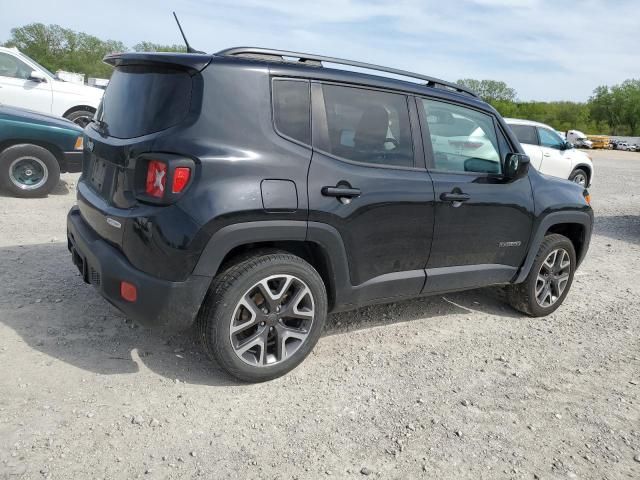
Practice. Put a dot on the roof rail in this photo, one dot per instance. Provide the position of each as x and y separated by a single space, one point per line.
269 54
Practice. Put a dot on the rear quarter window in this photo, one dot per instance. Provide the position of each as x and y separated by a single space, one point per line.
145 99
291 109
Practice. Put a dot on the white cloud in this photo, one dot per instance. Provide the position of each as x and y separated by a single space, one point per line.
546 49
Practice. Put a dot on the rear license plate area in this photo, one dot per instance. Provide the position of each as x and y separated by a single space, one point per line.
98 173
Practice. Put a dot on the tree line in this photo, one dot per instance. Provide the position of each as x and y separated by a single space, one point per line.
58 48
613 110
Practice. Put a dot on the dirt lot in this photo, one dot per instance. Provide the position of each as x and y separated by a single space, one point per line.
446 387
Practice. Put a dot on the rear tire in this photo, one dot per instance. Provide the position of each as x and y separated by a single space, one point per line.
28 171
263 315
580 177
546 286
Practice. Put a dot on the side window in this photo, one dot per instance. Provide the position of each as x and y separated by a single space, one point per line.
550 139
291 109
367 126
463 140
525 134
10 66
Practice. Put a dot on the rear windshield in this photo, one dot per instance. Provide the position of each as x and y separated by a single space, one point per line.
145 99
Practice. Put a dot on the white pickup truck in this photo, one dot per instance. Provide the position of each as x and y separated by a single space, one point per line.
26 84
578 139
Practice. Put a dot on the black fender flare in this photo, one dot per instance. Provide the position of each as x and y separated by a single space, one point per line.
583 218
325 236
238 234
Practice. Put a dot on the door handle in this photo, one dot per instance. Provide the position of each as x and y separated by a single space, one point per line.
341 192
547 154
454 197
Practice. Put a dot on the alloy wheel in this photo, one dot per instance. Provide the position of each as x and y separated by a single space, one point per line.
272 320
553 277
83 120
28 173
580 179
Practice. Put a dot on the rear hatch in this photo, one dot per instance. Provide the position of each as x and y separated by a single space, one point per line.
148 96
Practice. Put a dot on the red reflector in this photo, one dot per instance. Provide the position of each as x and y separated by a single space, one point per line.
128 291
180 179
156 178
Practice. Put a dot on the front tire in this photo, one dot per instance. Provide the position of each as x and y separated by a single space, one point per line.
262 316
549 279
28 171
580 177
80 117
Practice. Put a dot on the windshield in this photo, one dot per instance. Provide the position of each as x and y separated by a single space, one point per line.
39 66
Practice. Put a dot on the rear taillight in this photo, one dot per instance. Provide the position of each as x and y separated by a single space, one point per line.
162 178
156 178
181 177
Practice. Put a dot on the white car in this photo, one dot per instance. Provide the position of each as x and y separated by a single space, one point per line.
26 84
550 154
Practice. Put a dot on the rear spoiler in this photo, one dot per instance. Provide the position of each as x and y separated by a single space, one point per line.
190 61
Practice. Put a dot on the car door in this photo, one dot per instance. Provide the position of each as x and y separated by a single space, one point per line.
367 180
18 91
528 138
557 160
483 219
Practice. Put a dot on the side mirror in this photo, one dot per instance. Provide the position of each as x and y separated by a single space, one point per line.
516 165
567 146
37 76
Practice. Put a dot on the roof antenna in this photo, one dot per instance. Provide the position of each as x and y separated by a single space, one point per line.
186 42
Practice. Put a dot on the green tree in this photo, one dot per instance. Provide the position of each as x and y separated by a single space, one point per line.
156 47
490 90
58 48
617 107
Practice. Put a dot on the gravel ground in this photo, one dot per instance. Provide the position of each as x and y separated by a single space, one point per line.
455 387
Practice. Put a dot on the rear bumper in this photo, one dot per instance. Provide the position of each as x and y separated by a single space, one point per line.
73 161
160 303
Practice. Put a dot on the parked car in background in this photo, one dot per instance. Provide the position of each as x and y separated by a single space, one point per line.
623 146
578 139
34 149
26 84
550 154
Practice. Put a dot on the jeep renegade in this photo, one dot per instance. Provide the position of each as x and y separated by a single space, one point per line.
254 191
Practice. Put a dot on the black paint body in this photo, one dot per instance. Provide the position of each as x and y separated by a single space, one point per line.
251 187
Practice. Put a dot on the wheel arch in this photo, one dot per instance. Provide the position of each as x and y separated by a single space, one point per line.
318 244
78 108
51 147
575 225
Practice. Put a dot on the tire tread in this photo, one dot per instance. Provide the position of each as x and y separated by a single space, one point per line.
209 330
518 295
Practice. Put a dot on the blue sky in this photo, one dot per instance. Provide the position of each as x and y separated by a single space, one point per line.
545 49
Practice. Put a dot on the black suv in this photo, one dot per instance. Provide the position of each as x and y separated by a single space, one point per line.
253 191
